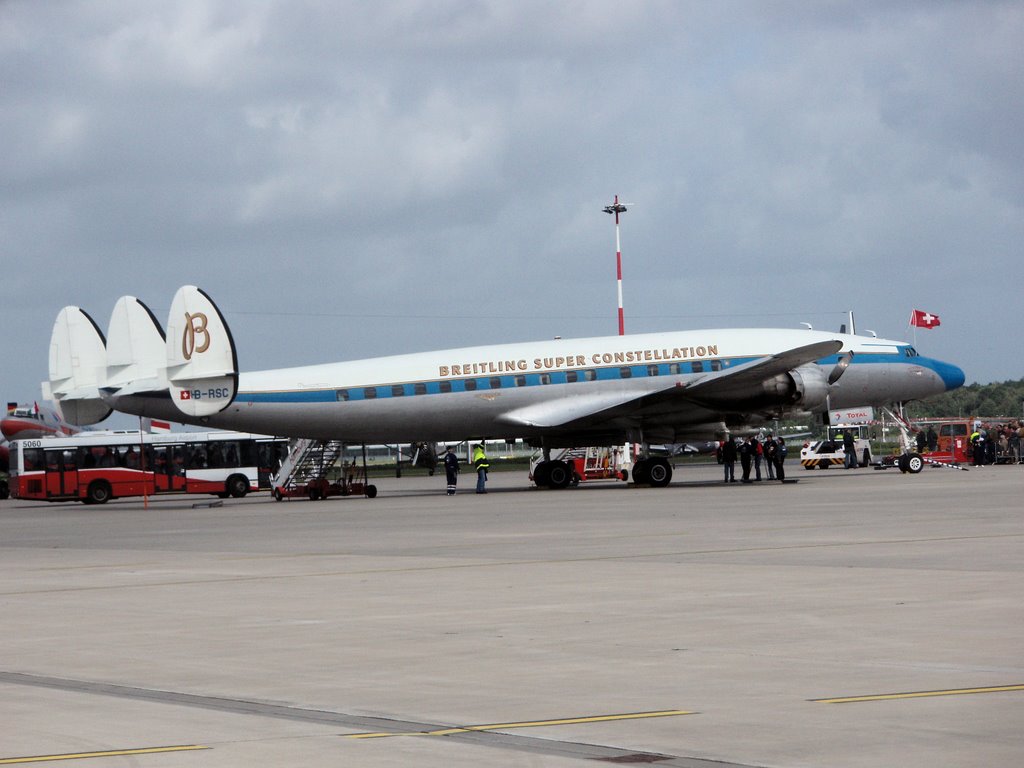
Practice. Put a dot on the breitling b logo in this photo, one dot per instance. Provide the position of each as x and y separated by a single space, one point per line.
195 325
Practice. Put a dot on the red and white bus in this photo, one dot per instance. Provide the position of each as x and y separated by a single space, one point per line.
96 467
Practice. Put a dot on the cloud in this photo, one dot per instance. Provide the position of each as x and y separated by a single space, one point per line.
446 159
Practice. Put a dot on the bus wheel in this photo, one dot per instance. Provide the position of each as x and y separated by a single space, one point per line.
865 459
5 490
237 486
98 493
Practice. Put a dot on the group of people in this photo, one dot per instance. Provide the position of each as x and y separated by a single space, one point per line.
752 453
480 464
1002 443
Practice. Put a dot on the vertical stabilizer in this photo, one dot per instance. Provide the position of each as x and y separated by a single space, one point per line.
136 351
202 367
78 359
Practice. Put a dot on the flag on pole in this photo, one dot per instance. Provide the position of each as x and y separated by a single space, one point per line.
921 319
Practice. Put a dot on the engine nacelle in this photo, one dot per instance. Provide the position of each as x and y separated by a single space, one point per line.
805 386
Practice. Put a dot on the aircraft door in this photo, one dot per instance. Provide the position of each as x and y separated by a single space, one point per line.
61 473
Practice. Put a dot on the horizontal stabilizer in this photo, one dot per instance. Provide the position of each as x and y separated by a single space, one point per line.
202 367
136 352
78 360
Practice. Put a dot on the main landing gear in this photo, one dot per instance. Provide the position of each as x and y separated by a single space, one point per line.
655 472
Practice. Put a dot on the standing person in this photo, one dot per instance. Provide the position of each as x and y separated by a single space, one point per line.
769 447
756 446
451 470
729 459
849 450
746 452
780 456
481 465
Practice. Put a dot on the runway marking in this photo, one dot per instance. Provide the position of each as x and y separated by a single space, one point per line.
525 724
920 694
111 753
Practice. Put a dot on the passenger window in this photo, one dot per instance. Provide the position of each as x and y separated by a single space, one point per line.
652 370
445 386
420 388
495 382
470 384
625 372
369 393
698 366
341 394
571 376
397 390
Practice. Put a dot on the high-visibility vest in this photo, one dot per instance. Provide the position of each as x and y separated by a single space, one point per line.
480 459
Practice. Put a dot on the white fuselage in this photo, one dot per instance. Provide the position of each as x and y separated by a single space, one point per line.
554 390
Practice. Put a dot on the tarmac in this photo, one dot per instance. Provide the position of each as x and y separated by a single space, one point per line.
852 618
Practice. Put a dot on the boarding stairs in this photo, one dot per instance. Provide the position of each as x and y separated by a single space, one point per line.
308 461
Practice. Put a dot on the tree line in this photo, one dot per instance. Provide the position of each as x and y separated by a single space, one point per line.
997 399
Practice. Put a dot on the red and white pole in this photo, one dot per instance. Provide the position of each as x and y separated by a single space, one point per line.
618 208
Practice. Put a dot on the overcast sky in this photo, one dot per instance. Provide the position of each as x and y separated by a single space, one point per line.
349 180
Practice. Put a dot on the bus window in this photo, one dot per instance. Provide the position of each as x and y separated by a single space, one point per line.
196 455
33 459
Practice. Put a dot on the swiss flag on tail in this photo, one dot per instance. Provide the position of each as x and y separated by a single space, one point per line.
923 319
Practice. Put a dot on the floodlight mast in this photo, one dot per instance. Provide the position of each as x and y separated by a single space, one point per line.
618 208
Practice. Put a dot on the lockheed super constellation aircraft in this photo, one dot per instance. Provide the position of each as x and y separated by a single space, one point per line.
645 388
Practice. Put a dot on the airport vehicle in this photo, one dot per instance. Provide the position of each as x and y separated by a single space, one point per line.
575 465
27 421
647 388
96 467
822 454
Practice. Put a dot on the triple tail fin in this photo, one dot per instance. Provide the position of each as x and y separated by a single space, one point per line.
202 367
135 350
78 361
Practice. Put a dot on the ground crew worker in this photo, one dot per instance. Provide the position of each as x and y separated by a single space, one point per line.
451 470
849 450
480 464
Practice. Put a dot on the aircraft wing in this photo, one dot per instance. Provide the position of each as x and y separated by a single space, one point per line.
717 390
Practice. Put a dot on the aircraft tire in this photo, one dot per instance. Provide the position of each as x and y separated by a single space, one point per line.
640 472
559 475
659 473
542 474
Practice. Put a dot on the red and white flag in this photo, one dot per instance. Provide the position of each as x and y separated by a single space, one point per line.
923 319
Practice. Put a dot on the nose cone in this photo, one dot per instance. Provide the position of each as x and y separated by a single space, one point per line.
951 375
